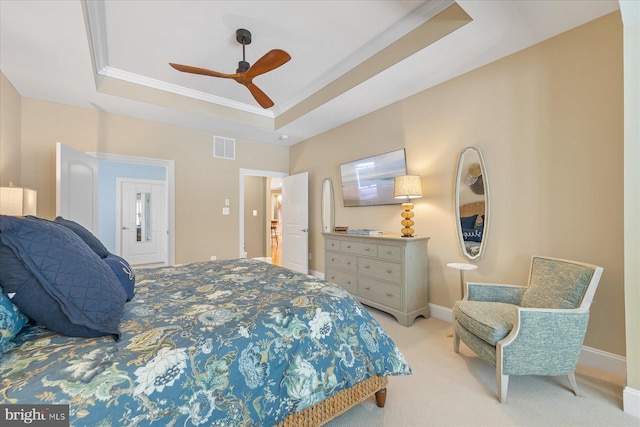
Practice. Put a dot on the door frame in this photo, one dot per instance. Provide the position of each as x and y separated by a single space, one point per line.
243 173
169 165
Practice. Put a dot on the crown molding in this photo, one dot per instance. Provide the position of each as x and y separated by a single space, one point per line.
97 34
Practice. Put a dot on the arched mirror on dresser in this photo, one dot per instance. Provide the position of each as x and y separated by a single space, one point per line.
472 203
327 209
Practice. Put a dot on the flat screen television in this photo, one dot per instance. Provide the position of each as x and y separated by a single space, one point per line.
369 182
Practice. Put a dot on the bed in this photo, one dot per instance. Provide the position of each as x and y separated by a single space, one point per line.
472 219
221 343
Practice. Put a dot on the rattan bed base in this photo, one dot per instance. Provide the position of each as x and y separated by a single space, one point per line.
328 409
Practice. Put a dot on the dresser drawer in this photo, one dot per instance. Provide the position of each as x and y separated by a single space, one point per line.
376 268
348 281
393 253
332 245
359 248
340 261
381 292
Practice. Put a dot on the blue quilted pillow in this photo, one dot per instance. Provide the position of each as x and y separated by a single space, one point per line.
88 237
11 321
123 272
58 280
468 221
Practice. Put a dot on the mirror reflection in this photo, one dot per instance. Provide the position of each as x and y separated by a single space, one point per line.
143 214
472 203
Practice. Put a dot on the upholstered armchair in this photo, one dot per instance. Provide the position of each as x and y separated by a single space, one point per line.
536 329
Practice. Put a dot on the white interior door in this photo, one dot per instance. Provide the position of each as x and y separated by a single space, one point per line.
295 222
143 221
77 187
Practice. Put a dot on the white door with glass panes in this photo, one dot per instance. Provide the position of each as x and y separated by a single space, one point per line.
143 221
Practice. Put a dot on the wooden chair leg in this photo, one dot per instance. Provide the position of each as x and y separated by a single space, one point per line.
456 341
503 384
574 384
381 397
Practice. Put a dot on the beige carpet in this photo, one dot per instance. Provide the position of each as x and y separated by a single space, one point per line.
449 389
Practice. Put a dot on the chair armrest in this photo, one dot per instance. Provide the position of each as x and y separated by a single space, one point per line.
543 342
511 294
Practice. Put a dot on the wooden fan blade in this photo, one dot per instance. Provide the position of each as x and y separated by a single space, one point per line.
271 60
203 71
259 95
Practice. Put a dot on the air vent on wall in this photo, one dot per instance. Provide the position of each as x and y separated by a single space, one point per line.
224 148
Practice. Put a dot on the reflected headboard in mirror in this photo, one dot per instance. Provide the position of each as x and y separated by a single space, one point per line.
472 203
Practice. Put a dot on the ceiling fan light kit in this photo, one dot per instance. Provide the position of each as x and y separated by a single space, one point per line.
245 72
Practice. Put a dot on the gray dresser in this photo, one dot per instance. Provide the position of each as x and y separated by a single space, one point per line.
387 272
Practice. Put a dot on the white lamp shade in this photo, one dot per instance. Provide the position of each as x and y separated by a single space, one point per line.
16 201
407 187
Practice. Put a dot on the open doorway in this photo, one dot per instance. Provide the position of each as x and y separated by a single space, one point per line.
258 210
275 220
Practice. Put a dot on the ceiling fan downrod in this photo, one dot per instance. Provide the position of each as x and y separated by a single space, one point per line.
243 37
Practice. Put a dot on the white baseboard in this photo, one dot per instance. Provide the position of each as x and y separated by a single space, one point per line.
603 361
441 313
317 274
591 357
631 401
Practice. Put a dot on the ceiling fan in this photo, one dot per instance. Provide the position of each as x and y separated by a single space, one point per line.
245 72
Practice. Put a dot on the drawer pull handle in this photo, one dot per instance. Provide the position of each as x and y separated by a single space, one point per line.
389 271
388 252
348 262
348 282
367 288
366 266
348 246
367 249
389 294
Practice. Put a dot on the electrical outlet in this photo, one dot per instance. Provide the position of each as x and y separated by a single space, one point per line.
225 211
213 257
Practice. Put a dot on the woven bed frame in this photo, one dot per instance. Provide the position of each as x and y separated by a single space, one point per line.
474 208
328 409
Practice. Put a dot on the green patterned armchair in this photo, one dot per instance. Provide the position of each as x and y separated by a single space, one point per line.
536 329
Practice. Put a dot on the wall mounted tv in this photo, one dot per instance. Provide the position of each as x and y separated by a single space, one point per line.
369 182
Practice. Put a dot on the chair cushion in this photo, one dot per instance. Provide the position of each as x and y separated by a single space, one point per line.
490 321
556 284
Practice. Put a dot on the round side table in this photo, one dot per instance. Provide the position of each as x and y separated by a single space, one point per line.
462 267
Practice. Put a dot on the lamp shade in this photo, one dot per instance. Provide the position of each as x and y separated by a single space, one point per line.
16 201
407 187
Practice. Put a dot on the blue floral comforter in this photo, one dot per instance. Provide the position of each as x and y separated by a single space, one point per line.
223 343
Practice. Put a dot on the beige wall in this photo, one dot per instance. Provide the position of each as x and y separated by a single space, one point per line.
549 123
201 181
10 137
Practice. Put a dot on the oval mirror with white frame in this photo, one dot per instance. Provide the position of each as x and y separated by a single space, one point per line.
327 209
472 203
